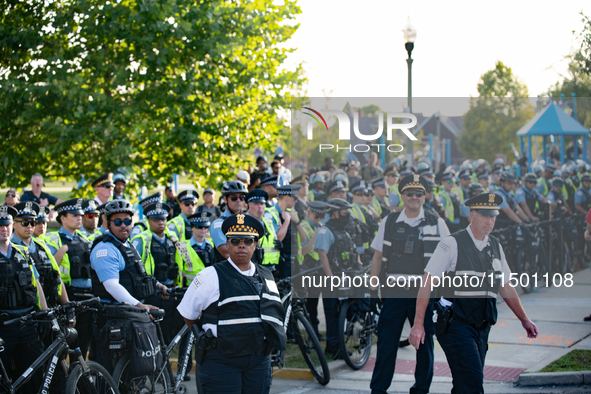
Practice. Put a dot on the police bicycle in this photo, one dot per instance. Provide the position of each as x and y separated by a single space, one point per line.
532 259
83 376
163 379
297 321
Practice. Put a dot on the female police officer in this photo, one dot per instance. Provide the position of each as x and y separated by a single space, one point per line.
245 315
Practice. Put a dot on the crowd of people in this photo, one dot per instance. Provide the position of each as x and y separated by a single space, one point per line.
266 225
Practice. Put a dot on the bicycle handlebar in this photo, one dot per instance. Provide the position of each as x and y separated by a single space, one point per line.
64 309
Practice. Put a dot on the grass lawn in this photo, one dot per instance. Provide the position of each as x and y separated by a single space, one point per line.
576 360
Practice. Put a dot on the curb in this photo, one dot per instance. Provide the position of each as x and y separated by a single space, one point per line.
555 378
305 374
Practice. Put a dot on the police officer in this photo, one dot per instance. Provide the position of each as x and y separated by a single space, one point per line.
233 195
201 249
103 186
464 337
120 182
118 273
180 226
511 213
161 259
286 223
90 218
379 201
545 182
555 195
583 195
403 245
337 252
302 200
392 178
484 180
494 183
244 316
269 184
19 295
528 197
450 201
72 254
268 250
359 212
49 274
141 225
208 204
432 202
317 191
41 224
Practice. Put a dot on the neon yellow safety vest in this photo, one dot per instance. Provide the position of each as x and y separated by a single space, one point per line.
310 232
357 213
458 192
197 264
272 255
542 180
55 240
394 189
54 264
148 259
177 224
449 206
23 251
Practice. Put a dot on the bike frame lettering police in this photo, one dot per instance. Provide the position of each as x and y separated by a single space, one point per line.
345 131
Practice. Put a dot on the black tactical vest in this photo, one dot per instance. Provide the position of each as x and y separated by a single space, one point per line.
531 199
165 266
206 255
587 203
133 277
248 314
407 249
342 255
79 256
16 281
48 276
476 305
511 201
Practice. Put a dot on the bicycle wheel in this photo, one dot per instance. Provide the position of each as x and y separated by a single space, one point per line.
310 348
95 379
355 335
404 342
154 383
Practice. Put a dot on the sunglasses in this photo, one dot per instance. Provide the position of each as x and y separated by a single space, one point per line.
10 195
362 194
450 181
189 203
242 197
119 222
91 215
27 223
414 194
238 241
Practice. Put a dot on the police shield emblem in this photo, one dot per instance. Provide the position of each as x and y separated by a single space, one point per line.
28 207
79 203
240 218
159 207
491 198
417 177
3 210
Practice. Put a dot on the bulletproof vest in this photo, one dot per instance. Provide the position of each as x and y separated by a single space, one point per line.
531 199
511 201
206 255
587 203
133 277
342 255
407 249
576 181
249 314
475 300
48 277
165 266
188 231
456 205
79 256
371 222
16 281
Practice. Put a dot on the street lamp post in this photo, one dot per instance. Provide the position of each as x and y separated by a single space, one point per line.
410 35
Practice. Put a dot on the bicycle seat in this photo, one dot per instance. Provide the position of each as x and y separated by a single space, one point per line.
157 313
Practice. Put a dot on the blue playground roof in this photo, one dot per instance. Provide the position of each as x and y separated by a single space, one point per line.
552 120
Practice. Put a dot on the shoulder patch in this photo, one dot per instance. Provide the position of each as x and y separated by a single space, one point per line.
443 246
217 224
135 243
322 231
197 281
171 226
101 253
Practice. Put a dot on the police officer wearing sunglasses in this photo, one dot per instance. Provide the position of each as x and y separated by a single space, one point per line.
243 318
233 195
403 245
180 226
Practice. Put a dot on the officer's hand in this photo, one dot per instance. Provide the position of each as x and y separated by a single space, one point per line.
530 327
73 322
294 216
417 336
277 244
146 306
163 294
535 219
64 247
286 216
375 304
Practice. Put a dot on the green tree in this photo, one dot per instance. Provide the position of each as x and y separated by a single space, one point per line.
158 87
584 60
494 117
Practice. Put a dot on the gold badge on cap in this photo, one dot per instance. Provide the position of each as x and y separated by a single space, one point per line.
491 198
158 206
240 218
416 177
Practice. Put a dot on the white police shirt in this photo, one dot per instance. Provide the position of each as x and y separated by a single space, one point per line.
204 291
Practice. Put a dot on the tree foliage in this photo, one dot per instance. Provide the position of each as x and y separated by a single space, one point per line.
494 117
155 86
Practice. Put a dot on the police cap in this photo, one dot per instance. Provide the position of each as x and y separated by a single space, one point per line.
257 195
73 206
7 214
42 215
337 204
414 181
188 195
200 220
27 210
104 181
242 225
485 204
335 186
154 198
89 206
157 210
318 207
